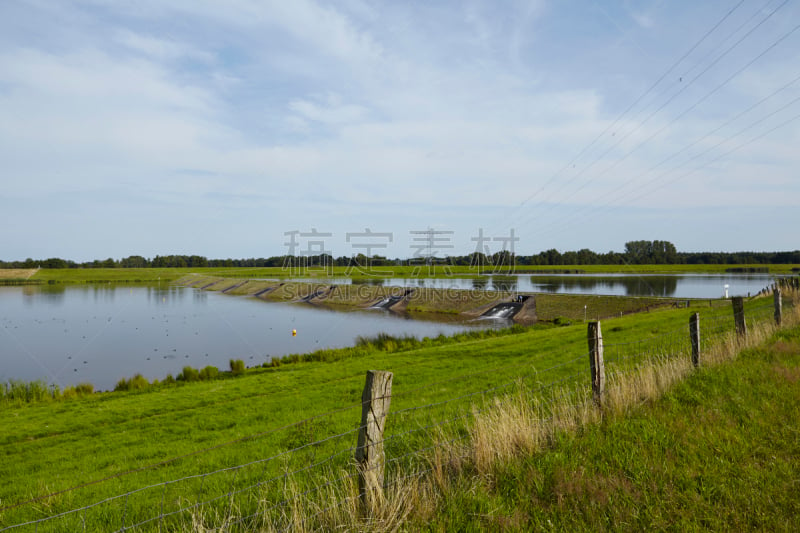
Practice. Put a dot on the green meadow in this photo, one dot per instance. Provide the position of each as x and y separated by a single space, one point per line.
293 423
718 452
99 275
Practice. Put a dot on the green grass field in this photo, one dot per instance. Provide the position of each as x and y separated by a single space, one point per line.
145 439
94 275
720 452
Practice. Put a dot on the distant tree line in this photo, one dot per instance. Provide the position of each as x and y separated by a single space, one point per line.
134 261
636 252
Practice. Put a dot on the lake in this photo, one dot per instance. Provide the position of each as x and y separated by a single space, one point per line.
659 285
101 333
68 334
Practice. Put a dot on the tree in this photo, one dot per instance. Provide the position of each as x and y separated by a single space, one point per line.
552 257
54 262
134 261
651 252
503 258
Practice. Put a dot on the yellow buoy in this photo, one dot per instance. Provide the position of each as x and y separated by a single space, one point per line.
294 333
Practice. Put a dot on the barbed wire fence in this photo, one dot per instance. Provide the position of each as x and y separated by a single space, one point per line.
307 471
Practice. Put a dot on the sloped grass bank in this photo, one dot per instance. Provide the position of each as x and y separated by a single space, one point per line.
718 452
550 307
56 451
565 465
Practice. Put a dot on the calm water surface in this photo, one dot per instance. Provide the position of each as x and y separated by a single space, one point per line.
99 334
673 286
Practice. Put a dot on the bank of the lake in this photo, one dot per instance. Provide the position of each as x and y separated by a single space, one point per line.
126 441
720 452
95 275
67 334
422 300
103 345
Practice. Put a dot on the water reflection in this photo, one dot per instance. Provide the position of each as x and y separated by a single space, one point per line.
504 283
71 334
52 294
166 295
480 283
372 281
102 293
665 286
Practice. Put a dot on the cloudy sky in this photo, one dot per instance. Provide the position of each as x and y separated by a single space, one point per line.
214 128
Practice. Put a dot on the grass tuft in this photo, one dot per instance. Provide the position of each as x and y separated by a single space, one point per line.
136 383
237 366
208 373
189 374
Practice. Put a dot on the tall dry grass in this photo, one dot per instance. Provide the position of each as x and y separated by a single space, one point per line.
17 273
524 423
336 506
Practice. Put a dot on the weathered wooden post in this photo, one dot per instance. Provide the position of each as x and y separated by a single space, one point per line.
369 452
738 316
776 294
694 335
596 364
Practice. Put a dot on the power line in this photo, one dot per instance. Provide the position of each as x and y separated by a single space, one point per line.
685 112
686 86
575 221
732 150
696 156
730 138
633 104
526 219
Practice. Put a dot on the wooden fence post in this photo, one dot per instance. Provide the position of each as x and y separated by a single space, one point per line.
694 335
738 316
596 364
778 305
369 452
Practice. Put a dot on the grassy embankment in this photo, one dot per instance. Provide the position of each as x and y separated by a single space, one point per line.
363 292
94 275
185 430
427 300
719 452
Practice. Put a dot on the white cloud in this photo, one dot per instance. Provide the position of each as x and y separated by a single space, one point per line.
644 20
324 28
95 77
73 114
160 49
366 104
331 111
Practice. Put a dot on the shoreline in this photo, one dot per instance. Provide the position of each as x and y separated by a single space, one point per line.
470 303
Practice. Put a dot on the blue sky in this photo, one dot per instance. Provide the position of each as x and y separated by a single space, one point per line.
213 128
